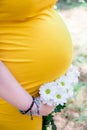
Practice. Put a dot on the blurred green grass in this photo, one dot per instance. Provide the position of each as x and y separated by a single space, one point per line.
66 6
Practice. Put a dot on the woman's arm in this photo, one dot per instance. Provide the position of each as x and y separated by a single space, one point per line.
12 92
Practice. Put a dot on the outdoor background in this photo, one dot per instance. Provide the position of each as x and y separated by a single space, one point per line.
74 13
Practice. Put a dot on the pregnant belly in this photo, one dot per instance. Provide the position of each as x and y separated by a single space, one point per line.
36 51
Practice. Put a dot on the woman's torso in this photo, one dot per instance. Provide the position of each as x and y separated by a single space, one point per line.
36 49
19 10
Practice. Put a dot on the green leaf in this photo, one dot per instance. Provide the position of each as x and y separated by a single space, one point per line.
54 127
58 108
44 128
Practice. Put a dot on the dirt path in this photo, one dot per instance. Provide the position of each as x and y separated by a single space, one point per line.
76 20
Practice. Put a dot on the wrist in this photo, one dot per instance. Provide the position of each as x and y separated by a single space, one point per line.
38 103
33 108
29 107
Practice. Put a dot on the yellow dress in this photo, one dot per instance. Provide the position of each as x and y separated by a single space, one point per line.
36 47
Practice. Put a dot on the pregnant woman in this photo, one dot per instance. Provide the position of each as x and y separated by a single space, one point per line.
35 48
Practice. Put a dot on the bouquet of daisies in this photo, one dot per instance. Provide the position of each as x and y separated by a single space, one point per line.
59 91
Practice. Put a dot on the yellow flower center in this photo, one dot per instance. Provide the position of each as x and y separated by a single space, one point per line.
62 83
58 96
47 91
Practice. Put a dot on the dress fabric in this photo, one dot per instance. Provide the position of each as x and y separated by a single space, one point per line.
36 47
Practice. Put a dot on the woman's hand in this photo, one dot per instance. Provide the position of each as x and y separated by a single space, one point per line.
46 109
41 109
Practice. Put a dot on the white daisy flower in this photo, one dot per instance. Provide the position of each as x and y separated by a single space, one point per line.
47 92
73 74
60 96
70 92
63 81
